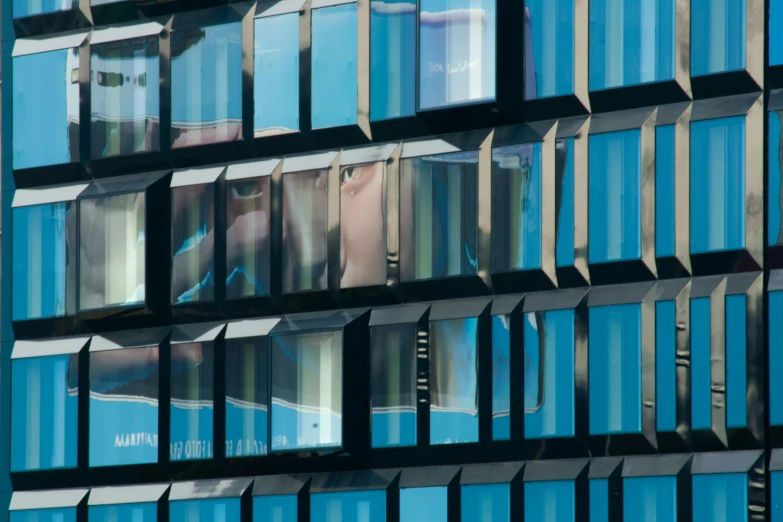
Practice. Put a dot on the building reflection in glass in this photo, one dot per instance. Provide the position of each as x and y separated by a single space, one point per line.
193 239
247 397
192 407
392 59
247 237
501 377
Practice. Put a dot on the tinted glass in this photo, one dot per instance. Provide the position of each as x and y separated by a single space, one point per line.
207 510
549 29
665 202
457 52
454 381
44 412
46 108
775 37
307 390
193 244
276 78
666 365
720 498
23 8
553 501
501 377
147 512
43 515
776 496
424 504
564 202
775 359
701 378
124 406
111 251
719 27
736 361
247 397
393 385
650 499
718 185
125 110
599 500
247 238
335 83
486 503
192 407
775 187
304 231
348 506
277 508
362 225
439 216
44 241
392 59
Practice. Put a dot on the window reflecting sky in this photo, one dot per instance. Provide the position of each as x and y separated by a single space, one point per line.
275 508
721 497
650 499
501 377
193 240
208 510
247 397
666 365
665 192
192 391
701 356
486 503
392 59
719 29
23 8
349 506
424 504
276 75
247 237
553 500
549 28
146 512
44 515
564 202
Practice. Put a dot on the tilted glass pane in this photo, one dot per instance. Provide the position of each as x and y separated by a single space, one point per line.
424 504
193 242
775 359
775 184
721 497
486 503
501 377
247 397
736 361
207 510
192 407
553 501
392 59
247 238
719 27
348 506
666 365
44 515
549 28
665 194
145 512
564 202
701 356
275 508
276 78
650 499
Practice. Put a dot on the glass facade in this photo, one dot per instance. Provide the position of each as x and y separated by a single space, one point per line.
276 75
192 406
720 27
193 239
350 506
553 500
392 59
565 202
44 515
666 365
247 397
486 502
650 499
721 497
217 509
775 359
247 237
424 504
665 192
549 30
501 377
141 512
24 8
278 508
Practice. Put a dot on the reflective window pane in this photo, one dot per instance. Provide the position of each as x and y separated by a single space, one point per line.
454 381
111 251
615 369
720 497
665 202
206 510
666 365
719 27
775 37
486 503
362 225
718 185
307 390
549 30
775 187
457 52
615 192
44 412
44 243
247 238
276 78
736 362
206 85
775 359
124 406
650 499
305 204
276 508
146 512
564 202
335 84
501 377
777 496
424 504
553 501
348 506
393 385
46 108
193 242
247 397
599 500
125 110
43 515
24 8
439 216
192 407
392 59
701 356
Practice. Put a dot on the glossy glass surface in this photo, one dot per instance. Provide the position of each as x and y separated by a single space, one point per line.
305 205
501 377
599 500
276 508
145 512
516 207
124 406
125 110
775 360
24 8
719 27
307 390
777 496
549 29
718 185
439 216
247 397
736 361
111 251
774 186
549 374
392 59
552 501
247 237
193 244
456 52
720 497
454 381
615 191
348 506
650 499
276 78
192 407
46 108
665 202
206 85
775 37
43 515
44 244
424 504
666 365
208 510
44 412
564 202
363 225
615 369
393 385
486 503
701 355
631 42
334 69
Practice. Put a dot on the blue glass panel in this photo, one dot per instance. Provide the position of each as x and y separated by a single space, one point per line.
615 181
457 52
599 500
276 78
775 37
207 510
775 359
549 27
549 352
718 185
335 84
564 199
615 369
666 365
553 501
349 506
247 237
146 512
777 496
276 508
392 59
424 504
665 202
247 397
719 27
193 241
701 377
44 412
43 515
736 362
192 390
486 503
650 499
775 188
46 108
501 377
23 8
720 497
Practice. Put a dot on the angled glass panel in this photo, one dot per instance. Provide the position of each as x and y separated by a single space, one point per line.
276 78
46 106
247 237
125 108
501 377
348 506
775 360
666 365
486 502
392 59
701 378
564 202
517 207
275 508
650 499
192 406
24 8
553 501
736 361
424 504
208 510
615 369
775 37
720 497
665 202
456 52
142 512
719 27
549 28
393 385
44 412
774 191
335 84
44 515
718 185
777 496
599 500
247 397
615 192
111 251
193 242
